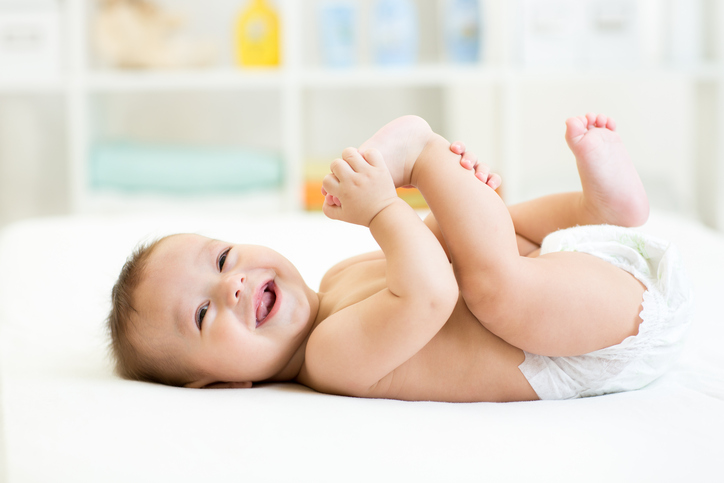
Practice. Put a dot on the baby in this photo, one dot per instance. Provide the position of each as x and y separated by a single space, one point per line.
478 302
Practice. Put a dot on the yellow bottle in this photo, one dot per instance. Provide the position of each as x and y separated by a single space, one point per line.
257 35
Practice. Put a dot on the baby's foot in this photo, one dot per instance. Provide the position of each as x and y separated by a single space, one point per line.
612 190
400 142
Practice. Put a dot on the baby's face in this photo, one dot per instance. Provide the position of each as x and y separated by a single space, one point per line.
235 312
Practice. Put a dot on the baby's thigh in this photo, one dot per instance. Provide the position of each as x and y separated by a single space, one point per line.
563 303
590 303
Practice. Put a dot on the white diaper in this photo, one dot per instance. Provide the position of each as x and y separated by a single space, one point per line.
640 359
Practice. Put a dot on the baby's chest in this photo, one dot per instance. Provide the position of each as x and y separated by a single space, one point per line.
356 283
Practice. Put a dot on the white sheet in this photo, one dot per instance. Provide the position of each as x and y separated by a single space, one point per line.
67 418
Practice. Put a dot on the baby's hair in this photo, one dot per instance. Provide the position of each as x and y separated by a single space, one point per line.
149 365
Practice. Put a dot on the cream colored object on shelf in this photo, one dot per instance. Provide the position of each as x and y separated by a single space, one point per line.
140 34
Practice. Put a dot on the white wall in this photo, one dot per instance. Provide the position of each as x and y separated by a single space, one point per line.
657 120
33 161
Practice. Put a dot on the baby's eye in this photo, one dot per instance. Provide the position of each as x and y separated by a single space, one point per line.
200 314
222 258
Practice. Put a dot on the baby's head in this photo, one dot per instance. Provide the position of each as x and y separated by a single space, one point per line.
192 311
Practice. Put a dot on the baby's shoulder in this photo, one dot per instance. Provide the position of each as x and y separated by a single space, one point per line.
337 269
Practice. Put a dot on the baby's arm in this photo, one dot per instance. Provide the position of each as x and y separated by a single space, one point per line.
356 347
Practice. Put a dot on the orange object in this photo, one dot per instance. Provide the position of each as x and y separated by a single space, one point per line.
314 200
313 197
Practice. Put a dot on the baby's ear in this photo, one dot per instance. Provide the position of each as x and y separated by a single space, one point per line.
226 385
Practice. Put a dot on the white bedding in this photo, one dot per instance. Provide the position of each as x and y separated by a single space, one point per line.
65 417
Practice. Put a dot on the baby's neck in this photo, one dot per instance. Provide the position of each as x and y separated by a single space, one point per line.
296 363
292 369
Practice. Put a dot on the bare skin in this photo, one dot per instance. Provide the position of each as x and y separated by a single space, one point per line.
612 190
402 323
463 362
476 353
457 359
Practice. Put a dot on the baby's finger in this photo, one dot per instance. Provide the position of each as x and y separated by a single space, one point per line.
458 147
330 184
332 211
355 160
332 200
374 158
341 169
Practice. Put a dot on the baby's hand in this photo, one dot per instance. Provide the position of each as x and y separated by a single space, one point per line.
358 188
470 161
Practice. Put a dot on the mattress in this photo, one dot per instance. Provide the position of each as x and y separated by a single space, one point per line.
66 417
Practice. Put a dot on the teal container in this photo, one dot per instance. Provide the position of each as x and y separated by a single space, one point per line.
132 167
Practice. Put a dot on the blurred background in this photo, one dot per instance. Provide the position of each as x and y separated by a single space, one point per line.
110 106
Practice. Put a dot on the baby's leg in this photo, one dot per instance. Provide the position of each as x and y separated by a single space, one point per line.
557 304
400 142
612 190
526 248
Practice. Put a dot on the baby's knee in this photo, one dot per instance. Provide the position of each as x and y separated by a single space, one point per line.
489 294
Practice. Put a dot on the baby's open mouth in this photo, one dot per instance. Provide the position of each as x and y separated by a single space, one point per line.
266 302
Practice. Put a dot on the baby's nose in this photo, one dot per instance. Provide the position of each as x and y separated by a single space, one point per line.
235 287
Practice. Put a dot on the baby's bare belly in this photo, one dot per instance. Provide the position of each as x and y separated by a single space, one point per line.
463 362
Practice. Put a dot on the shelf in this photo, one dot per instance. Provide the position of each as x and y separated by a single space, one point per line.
124 81
572 74
32 84
444 74
256 202
423 75
376 77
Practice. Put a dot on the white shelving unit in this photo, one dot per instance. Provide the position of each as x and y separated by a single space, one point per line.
296 88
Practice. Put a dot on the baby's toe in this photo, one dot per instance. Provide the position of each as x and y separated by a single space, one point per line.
601 121
576 126
590 119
